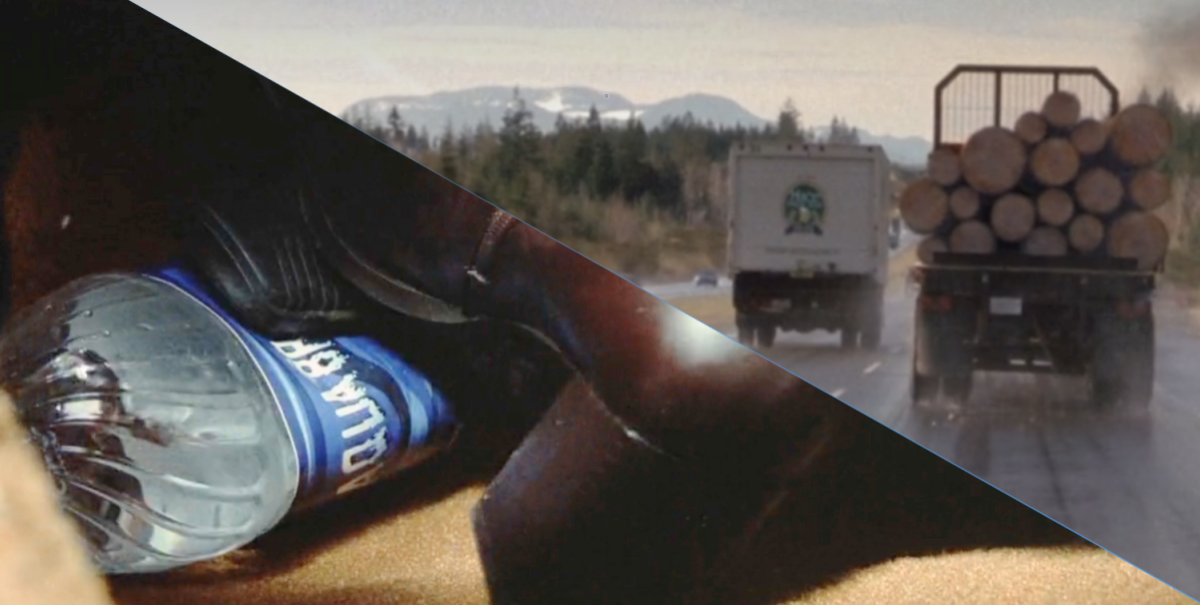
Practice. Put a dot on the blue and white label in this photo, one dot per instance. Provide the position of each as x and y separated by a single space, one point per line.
363 438
357 413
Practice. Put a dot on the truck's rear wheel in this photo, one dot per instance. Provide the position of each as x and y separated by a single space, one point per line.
925 386
1122 369
956 388
745 330
925 389
928 390
872 333
942 370
849 336
766 335
1139 377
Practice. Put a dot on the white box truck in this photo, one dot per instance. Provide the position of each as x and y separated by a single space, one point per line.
808 240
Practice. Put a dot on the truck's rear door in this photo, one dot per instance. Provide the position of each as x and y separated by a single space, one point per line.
807 209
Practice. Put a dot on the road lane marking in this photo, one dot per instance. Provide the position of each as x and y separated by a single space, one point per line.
838 393
872 367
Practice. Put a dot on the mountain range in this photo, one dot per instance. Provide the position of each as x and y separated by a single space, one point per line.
474 106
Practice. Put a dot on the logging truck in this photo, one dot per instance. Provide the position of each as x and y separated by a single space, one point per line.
808 240
1042 243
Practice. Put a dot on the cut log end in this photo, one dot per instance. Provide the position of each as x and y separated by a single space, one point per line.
1030 128
972 237
1061 109
1055 207
1150 188
1045 241
1089 137
930 246
1141 135
923 206
1013 217
1099 191
1085 233
1054 162
943 167
965 203
1141 236
993 160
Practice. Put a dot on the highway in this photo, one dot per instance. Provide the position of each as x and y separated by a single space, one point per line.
1129 484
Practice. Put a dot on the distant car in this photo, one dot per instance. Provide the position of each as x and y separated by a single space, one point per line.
894 240
706 278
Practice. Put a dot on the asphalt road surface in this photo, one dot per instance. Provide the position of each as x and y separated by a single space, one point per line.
1129 484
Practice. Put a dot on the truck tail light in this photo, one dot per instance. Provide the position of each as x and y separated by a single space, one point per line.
1133 309
936 303
752 302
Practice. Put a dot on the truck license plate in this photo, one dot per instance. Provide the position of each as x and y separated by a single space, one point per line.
1006 306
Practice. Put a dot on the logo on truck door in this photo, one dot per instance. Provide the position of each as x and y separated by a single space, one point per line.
804 210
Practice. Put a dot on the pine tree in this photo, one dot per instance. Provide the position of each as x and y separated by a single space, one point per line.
411 139
463 148
423 140
516 159
446 154
1168 103
668 188
840 133
579 145
519 137
593 120
603 178
633 172
789 121
396 125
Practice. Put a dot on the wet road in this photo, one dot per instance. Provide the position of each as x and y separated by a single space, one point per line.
1131 485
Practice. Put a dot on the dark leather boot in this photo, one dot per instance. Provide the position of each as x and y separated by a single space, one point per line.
674 461
262 267
245 239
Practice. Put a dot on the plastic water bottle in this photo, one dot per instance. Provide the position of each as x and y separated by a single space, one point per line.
176 435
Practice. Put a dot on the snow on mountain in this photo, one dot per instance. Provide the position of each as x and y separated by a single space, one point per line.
488 104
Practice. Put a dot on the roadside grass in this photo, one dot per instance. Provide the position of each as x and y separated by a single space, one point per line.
664 251
715 311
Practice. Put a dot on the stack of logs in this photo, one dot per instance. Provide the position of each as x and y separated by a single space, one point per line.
1052 185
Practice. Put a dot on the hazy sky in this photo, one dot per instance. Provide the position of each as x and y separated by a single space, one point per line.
872 61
